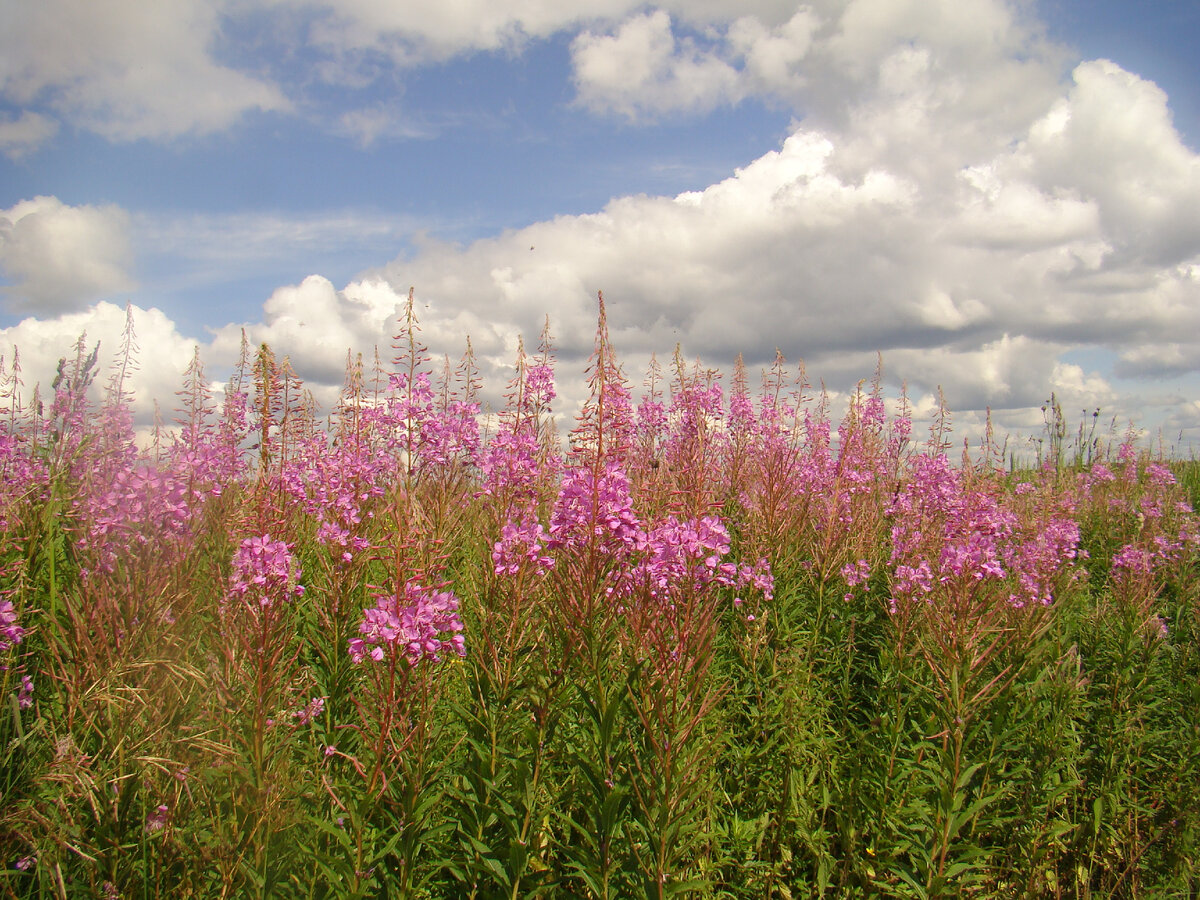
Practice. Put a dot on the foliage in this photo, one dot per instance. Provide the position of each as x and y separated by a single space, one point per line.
721 647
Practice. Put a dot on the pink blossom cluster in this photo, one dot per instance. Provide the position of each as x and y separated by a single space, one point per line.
509 467
10 632
520 545
1159 552
1133 559
410 402
135 505
539 385
306 714
1040 557
742 419
691 555
948 535
651 419
596 511
419 430
156 821
597 515
855 574
451 435
22 474
1159 529
419 623
210 456
264 573
696 405
335 486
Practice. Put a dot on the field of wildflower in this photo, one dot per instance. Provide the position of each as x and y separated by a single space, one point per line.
709 643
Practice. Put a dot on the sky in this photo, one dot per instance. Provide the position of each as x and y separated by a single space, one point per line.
999 198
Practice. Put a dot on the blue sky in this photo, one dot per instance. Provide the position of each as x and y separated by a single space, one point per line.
960 184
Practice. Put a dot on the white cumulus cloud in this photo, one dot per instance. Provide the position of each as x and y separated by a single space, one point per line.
158 364
126 70
59 258
643 68
23 134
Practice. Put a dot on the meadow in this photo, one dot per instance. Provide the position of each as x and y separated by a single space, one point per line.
709 643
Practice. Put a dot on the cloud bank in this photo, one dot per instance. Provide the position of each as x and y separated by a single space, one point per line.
62 257
950 193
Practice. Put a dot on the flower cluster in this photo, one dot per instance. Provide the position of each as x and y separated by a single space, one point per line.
25 693
651 420
451 434
596 511
137 505
1044 551
264 573
539 384
335 487
310 711
954 537
419 623
22 473
520 545
509 467
420 431
157 820
10 632
854 574
691 555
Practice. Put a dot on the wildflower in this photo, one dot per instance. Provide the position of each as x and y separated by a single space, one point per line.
264 572
510 466
596 509
158 819
25 693
518 545
10 632
855 573
539 381
1159 476
420 623
306 714
336 485
1134 559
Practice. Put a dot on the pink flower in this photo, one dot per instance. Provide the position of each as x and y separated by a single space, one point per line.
10 632
539 382
306 714
521 545
264 573
593 511
158 819
419 623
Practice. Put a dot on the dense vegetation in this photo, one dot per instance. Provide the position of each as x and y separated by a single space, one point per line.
716 648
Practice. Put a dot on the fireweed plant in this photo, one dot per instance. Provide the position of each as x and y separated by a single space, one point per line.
708 642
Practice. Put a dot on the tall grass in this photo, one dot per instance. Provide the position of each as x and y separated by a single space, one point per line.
721 647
